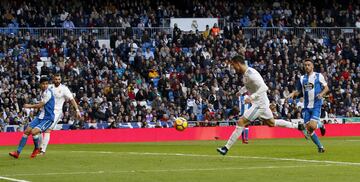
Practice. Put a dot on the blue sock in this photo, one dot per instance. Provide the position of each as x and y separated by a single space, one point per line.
242 135
22 143
316 140
36 141
246 132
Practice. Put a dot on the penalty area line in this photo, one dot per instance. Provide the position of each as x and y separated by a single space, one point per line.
229 156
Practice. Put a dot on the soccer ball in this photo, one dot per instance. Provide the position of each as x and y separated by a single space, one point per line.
180 124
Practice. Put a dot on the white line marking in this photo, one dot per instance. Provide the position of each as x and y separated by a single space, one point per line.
352 140
217 156
166 170
12 179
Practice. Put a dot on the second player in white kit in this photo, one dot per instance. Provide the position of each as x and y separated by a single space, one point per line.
61 93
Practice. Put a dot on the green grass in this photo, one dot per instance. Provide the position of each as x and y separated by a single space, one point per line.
261 160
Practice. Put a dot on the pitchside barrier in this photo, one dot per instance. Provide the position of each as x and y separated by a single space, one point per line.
170 134
161 124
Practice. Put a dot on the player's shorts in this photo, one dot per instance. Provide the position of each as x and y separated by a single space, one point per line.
41 124
255 112
56 121
311 114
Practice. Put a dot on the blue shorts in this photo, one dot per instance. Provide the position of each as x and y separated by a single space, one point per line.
311 114
42 124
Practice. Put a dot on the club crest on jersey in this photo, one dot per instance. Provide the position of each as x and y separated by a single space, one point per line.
245 79
308 87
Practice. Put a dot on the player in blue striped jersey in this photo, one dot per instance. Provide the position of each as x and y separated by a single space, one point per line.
313 87
42 122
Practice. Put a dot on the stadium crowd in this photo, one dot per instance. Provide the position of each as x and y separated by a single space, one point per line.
159 77
146 13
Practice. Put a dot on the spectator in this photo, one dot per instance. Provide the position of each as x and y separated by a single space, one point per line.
215 30
149 54
68 24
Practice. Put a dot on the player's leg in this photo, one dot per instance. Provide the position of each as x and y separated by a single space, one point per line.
311 127
249 115
234 136
46 137
316 117
285 124
24 138
245 135
268 118
43 126
45 142
306 114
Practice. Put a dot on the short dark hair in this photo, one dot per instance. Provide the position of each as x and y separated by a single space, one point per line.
57 74
238 59
44 79
309 60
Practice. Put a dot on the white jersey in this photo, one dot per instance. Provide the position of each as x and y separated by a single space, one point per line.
255 84
61 93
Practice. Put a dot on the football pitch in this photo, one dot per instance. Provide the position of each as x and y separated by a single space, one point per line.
261 160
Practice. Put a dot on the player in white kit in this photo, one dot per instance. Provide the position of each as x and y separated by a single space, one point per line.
260 108
62 94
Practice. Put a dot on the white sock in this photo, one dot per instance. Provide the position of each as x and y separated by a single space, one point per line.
45 142
234 136
285 124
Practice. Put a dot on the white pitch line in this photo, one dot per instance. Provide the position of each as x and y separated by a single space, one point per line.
12 179
217 156
166 170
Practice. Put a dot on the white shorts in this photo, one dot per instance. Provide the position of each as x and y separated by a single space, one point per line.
56 120
255 112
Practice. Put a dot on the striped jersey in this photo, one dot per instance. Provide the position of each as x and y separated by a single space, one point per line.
47 112
242 105
311 86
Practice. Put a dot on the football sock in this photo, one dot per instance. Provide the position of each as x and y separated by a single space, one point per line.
22 143
45 142
40 138
285 124
319 124
36 141
234 136
316 140
246 133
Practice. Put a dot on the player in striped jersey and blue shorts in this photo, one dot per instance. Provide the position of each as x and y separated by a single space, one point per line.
42 122
313 87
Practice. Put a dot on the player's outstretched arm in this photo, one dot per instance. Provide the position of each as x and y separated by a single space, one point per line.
36 106
241 91
293 94
263 88
73 102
